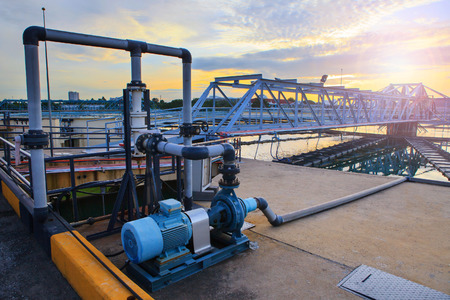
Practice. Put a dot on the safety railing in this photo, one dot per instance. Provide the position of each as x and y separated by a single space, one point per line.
7 160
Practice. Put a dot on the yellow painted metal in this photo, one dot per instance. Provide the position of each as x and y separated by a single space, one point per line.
86 275
11 198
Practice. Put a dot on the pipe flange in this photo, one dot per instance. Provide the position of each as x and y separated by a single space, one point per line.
229 178
136 85
140 142
152 143
233 183
35 139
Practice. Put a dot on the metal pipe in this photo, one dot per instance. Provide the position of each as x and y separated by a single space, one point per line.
196 153
136 74
187 141
83 39
33 34
31 37
35 123
277 220
137 116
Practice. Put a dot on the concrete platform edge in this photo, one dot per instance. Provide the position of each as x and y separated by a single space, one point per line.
84 273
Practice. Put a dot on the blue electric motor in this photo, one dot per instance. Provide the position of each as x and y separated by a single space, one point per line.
164 233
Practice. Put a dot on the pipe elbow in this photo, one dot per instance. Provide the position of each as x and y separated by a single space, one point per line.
186 56
228 153
274 219
33 34
262 203
277 222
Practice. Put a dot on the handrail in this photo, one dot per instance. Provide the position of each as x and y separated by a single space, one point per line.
16 173
27 154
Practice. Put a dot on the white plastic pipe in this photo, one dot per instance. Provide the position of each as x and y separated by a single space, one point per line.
343 200
35 123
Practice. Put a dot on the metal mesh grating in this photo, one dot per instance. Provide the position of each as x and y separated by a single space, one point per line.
371 283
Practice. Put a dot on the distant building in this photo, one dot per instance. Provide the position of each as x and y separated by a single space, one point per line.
74 95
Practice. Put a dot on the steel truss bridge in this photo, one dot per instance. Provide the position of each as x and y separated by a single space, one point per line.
289 106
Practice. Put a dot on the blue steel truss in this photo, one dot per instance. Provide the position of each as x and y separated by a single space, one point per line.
288 106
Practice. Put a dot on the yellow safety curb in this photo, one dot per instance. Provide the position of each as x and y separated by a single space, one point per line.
86 275
11 198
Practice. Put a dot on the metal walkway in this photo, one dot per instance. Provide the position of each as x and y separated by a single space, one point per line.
268 106
318 157
439 158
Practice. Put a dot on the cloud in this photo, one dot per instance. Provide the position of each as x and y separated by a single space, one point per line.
305 39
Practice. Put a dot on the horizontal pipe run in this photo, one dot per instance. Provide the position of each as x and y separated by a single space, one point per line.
32 35
192 152
84 39
93 154
277 220
429 181
325 206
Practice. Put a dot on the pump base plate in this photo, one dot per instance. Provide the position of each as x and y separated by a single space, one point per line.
220 252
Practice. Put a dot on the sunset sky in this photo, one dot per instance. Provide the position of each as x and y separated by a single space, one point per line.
375 43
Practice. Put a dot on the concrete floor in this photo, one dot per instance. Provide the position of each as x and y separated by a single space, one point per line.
27 272
403 231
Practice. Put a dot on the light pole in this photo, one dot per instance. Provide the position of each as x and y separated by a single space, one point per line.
48 91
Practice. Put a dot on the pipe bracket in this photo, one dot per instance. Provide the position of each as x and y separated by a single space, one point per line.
35 139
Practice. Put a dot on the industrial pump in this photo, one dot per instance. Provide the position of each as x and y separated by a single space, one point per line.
171 244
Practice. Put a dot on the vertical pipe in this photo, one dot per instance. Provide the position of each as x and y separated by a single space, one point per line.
74 193
136 68
179 185
137 118
187 141
261 105
127 130
214 107
157 178
35 123
149 197
296 108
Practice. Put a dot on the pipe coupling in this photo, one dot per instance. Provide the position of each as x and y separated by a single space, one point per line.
229 179
149 142
35 139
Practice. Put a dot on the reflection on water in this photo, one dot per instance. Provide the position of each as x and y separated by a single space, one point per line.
270 148
392 157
